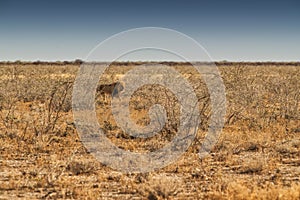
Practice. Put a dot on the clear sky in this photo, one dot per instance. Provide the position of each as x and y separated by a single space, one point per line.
244 30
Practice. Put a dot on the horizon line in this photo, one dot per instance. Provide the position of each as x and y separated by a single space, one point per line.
79 61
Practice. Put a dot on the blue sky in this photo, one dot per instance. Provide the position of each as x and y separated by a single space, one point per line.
229 30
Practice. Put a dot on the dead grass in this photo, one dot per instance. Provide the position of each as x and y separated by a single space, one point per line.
256 157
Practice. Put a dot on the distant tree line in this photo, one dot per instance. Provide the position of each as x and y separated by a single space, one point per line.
169 63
